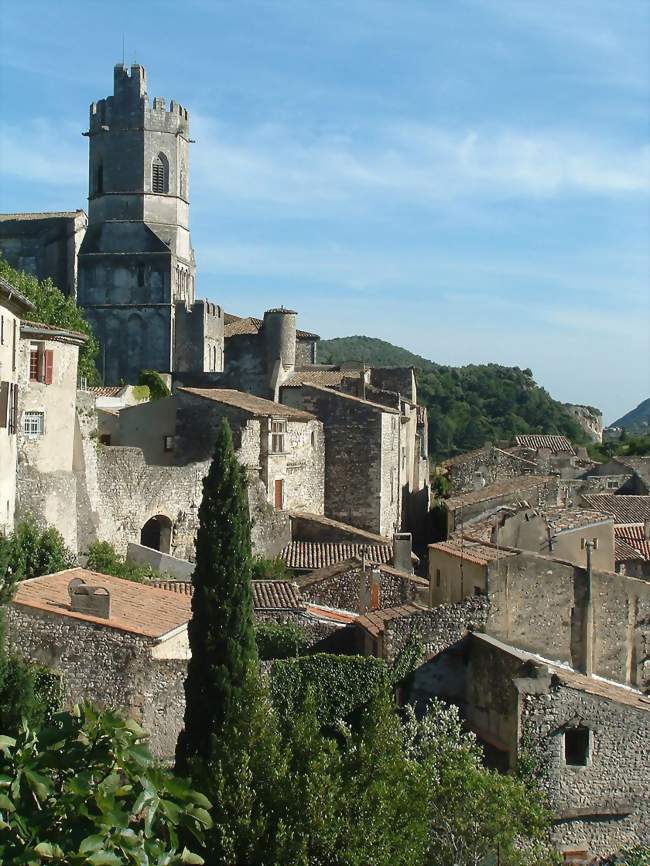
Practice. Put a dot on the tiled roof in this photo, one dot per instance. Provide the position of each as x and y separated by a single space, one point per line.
310 555
5 217
623 551
375 622
564 519
571 678
10 291
556 444
472 551
345 617
521 484
234 325
324 378
105 390
267 594
625 509
633 536
51 332
256 406
137 608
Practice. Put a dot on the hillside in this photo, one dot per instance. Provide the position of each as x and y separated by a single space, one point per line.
467 406
636 422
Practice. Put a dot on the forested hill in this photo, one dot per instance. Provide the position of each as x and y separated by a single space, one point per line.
636 422
467 406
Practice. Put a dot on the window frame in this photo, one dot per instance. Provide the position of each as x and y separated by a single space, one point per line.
36 420
169 442
277 436
586 747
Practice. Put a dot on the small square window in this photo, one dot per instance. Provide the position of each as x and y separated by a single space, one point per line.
105 438
34 423
169 443
576 747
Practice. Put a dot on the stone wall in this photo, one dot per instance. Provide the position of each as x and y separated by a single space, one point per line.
612 791
485 465
51 498
349 590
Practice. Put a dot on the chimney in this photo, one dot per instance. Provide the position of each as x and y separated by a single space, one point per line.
362 382
91 600
402 550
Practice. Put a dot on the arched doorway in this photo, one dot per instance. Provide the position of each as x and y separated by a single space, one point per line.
157 533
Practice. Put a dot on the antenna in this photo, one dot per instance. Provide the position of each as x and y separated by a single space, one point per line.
122 49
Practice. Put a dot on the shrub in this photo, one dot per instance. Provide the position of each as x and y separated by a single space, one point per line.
103 557
31 551
155 382
269 569
275 641
342 684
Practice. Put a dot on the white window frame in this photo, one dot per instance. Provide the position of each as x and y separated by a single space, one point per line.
33 424
277 436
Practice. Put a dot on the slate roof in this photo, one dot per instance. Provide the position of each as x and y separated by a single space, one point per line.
471 551
258 407
571 678
267 594
235 325
625 509
520 484
554 443
137 608
310 555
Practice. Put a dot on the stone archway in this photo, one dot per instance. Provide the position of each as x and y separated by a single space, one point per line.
157 533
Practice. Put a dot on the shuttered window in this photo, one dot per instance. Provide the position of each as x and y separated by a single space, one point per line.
41 365
35 365
160 174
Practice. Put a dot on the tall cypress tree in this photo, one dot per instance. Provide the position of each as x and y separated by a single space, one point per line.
221 632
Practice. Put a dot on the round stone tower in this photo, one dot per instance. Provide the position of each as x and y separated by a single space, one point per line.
280 337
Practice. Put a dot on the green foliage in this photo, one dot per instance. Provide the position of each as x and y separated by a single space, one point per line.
467 406
263 568
341 684
52 307
628 446
637 856
221 632
141 392
408 658
103 557
28 693
280 641
155 383
85 790
31 551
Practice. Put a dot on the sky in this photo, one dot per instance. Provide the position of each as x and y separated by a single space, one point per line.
468 179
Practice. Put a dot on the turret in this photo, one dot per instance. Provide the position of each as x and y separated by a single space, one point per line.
280 337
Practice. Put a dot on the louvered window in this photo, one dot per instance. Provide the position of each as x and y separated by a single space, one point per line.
159 174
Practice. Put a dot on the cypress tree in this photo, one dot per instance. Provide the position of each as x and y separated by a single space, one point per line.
221 632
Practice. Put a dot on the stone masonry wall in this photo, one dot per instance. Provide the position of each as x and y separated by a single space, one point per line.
489 464
616 777
343 590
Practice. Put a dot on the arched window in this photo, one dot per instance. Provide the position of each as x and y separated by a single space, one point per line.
99 179
160 174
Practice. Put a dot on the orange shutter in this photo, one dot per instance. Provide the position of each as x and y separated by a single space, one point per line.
374 596
48 368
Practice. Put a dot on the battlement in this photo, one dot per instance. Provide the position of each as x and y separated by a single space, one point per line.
130 103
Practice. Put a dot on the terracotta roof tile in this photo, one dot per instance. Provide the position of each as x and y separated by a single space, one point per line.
324 378
267 594
556 444
342 616
375 622
624 551
311 555
235 325
135 607
625 509
105 390
255 406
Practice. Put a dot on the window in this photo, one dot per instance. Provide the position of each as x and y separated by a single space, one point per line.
41 364
437 577
140 274
34 365
160 174
576 747
278 429
168 443
34 423
105 438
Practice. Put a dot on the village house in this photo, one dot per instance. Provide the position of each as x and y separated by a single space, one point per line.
13 305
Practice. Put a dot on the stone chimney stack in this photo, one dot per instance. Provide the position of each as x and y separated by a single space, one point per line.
402 550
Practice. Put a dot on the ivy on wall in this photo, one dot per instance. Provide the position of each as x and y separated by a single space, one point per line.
280 641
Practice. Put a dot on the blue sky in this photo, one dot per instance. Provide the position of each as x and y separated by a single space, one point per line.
465 178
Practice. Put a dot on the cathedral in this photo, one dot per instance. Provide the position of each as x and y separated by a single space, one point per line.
136 269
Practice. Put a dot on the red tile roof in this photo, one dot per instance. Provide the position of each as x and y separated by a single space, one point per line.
375 622
338 616
267 594
310 555
624 551
137 608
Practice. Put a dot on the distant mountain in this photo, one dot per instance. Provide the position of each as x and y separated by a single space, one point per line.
636 422
377 353
467 406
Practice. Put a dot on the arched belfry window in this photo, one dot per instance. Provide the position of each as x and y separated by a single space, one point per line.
160 174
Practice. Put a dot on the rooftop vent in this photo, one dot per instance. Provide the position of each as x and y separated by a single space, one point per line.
91 600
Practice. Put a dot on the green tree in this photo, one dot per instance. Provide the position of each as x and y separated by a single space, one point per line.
221 631
155 383
85 790
103 558
31 551
52 307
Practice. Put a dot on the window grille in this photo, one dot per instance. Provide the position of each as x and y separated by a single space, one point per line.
278 430
34 423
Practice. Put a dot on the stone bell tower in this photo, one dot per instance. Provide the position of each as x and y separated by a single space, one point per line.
136 263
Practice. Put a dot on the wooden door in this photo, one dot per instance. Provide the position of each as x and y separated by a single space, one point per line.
279 494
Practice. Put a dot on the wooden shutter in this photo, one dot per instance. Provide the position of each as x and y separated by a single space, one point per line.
48 366
4 403
279 490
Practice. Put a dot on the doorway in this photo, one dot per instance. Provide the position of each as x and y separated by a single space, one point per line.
157 533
